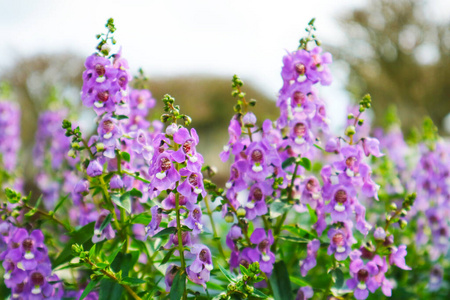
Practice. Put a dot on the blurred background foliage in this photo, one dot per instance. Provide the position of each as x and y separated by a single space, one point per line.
394 52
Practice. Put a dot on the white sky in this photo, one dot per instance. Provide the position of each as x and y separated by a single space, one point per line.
170 37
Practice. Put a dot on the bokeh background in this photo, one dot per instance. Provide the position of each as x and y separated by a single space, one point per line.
398 51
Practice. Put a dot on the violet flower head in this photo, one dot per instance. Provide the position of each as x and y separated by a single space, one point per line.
304 293
94 168
262 252
363 279
310 261
105 233
397 257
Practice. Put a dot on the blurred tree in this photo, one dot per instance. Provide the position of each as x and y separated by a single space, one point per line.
399 54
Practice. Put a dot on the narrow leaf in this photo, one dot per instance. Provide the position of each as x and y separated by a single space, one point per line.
88 289
165 231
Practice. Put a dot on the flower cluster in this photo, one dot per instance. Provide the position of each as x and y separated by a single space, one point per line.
50 152
9 138
28 271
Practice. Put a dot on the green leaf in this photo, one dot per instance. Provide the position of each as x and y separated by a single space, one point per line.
258 294
277 208
133 281
338 277
165 231
105 222
281 285
60 203
305 163
110 258
178 286
81 236
318 147
92 251
123 201
288 162
294 239
227 274
89 288
136 193
167 256
142 218
244 270
299 281
121 117
110 290
125 156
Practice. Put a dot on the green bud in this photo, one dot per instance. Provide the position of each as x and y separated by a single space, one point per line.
252 102
350 130
350 116
75 145
360 122
100 147
71 153
403 213
241 212
393 206
231 287
402 223
229 217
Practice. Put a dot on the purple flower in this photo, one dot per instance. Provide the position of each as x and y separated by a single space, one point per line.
256 204
310 261
153 227
397 257
94 168
164 173
371 146
304 293
203 259
106 233
116 182
262 252
194 220
362 280
340 243
249 119
192 186
199 277
436 278
171 271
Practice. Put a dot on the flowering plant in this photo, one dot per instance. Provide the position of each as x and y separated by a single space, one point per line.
133 211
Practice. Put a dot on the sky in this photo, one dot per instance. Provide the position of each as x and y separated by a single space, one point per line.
168 38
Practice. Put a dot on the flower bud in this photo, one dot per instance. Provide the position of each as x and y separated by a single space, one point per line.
393 206
71 153
100 147
350 130
241 212
249 119
379 234
402 223
229 218
171 129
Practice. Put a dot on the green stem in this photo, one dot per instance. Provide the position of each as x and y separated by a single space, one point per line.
48 216
281 220
216 237
112 276
180 239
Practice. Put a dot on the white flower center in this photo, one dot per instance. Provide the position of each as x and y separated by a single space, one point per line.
193 159
100 79
265 257
301 78
361 286
228 185
198 191
36 290
339 207
298 109
208 267
257 168
7 276
28 255
161 175
299 140
340 249
226 148
250 205
350 173
98 104
108 135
